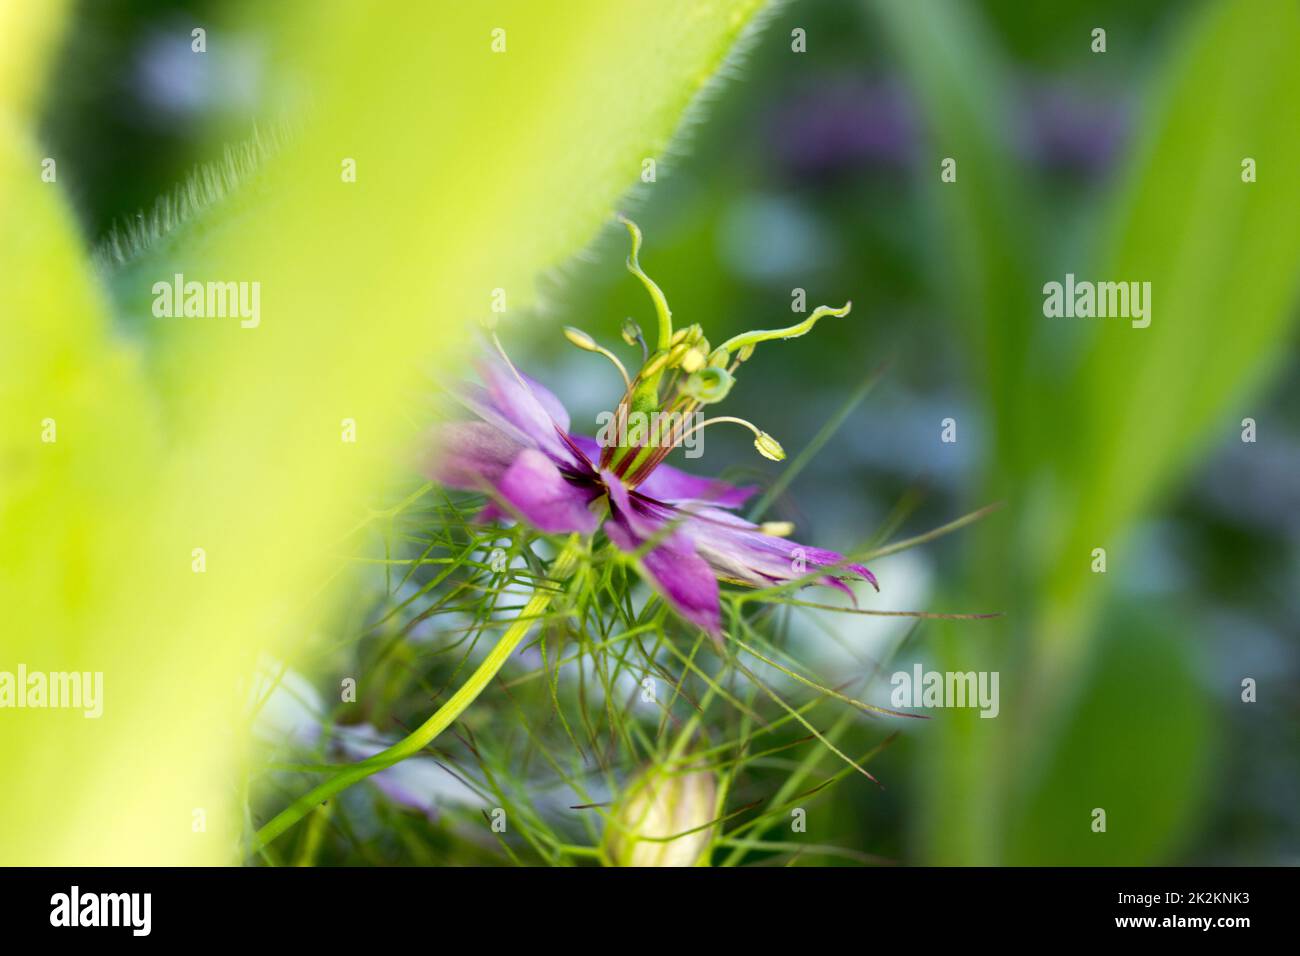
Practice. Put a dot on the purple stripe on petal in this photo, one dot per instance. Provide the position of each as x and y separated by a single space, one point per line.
536 488
587 445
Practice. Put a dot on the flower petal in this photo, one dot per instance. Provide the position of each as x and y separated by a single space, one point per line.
529 409
524 411
676 572
550 404
673 567
545 498
470 455
737 550
677 487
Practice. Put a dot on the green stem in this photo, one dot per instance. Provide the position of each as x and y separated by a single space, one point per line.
442 718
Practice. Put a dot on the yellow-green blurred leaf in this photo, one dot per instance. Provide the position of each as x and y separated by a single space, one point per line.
475 170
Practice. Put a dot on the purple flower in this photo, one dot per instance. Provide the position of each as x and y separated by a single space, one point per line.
523 454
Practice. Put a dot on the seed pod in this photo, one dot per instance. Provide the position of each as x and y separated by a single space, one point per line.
657 805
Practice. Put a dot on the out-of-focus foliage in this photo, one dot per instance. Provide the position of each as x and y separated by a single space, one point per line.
30 33
475 170
1092 421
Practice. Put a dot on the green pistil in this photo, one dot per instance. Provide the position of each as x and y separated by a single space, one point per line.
678 377
746 341
656 294
634 461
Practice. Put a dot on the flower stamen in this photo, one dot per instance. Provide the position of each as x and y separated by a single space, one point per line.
585 342
767 446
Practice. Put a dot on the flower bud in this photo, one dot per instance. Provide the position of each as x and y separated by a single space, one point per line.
769 447
656 806
631 331
580 338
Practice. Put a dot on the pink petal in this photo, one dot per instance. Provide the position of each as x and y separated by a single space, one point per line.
677 573
522 400
544 498
523 407
736 549
470 455
672 565
677 487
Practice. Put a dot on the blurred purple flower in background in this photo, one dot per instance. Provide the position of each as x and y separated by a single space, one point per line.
846 123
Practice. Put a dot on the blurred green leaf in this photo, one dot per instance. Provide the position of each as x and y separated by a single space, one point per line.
1134 745
984 262
1091 418
28 34
1223 260
475 171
